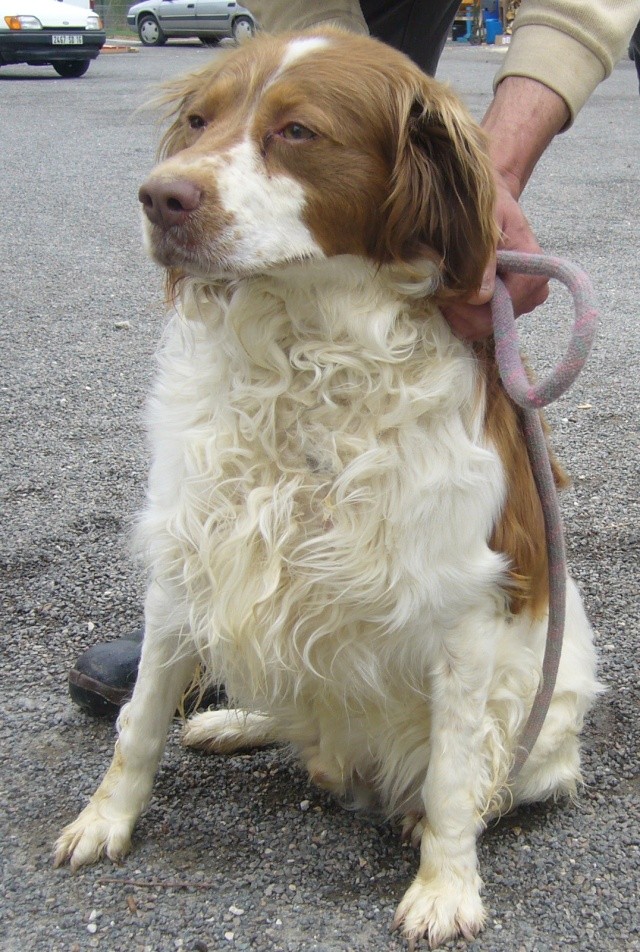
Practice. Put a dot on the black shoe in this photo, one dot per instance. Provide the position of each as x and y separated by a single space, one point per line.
103 677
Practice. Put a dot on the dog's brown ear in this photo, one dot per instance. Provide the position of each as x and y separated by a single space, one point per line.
442 199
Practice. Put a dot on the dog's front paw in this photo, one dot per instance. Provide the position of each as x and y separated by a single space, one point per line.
92 835
440 908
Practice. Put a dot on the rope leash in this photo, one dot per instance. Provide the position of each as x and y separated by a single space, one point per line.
531 398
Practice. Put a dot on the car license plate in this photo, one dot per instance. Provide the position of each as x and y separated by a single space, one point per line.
67 39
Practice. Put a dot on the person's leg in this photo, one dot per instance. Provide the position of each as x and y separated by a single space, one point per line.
418 28
635 49
277 16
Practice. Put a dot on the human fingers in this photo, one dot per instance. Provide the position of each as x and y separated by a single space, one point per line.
527 291
484 294
469 321
471 318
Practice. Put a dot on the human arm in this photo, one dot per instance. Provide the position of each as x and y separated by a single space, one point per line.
561 50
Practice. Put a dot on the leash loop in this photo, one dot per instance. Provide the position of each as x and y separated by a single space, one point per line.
514 376
531 397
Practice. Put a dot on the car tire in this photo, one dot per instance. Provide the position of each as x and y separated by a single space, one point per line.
242 29
150 32
71 69
209 40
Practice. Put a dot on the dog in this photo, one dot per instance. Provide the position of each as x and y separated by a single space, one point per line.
342 524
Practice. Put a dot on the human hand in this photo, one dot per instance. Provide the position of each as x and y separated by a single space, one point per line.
471 319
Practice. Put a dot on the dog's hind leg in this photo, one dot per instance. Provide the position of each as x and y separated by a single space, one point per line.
166 667
227 731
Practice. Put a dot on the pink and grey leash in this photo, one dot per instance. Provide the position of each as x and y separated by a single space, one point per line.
531 398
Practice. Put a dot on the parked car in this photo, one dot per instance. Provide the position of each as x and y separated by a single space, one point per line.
210 20
50 33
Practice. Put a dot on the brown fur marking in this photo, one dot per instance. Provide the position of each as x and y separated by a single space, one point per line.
520 532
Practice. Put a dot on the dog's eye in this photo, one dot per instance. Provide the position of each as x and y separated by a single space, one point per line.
196 122
296 132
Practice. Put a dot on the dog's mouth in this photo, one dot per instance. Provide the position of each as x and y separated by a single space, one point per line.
182 248
182 229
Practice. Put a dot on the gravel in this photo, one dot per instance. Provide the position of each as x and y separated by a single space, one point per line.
241 852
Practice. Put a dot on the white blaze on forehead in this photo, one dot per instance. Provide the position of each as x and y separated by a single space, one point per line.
297 49
267 210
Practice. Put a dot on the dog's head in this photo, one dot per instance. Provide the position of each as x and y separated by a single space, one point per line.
317 145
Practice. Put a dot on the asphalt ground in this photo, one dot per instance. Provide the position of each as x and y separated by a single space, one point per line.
241 852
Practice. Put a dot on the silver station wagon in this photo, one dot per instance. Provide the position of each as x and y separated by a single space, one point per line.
209 20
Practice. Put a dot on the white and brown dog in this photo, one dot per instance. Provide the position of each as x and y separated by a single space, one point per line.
342 524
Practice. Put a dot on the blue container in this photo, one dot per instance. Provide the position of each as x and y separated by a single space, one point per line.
493 28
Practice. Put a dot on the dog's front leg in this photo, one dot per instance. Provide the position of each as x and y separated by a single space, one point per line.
166 666
444 899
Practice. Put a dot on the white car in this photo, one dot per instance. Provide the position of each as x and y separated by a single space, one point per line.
209 20
49 33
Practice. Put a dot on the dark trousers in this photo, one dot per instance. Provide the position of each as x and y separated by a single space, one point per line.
634 50
417 27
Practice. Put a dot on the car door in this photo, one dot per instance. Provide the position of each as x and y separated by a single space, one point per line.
214 16
177 16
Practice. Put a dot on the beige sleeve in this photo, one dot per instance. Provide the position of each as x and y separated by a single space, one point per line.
569 45
277 16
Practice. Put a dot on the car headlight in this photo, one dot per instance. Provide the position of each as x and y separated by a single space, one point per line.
23 23
94 23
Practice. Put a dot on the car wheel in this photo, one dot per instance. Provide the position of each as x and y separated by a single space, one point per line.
71 69
242 29
209 40
149 32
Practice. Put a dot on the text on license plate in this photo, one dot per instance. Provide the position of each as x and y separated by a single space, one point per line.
67 39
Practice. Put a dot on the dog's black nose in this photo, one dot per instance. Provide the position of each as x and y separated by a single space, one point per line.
169 202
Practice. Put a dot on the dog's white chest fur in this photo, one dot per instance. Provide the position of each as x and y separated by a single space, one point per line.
320 451
320 504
